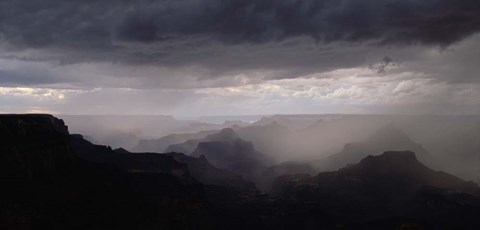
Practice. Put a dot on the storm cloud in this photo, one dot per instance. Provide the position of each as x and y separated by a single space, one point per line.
209 46
98 24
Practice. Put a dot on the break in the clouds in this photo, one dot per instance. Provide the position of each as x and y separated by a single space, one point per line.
239 56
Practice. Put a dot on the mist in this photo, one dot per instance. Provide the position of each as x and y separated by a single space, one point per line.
450 142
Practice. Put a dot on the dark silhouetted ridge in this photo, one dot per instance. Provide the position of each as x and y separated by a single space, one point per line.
189 146
238 156
226 134
207 174
33 145
53 180
394 183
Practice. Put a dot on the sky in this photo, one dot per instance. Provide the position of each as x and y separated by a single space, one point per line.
239 57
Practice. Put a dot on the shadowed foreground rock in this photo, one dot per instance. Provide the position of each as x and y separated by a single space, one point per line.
387 187
51 180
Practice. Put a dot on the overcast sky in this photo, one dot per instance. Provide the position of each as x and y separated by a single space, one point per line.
238 57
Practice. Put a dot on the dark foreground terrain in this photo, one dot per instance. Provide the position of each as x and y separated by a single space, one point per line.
54 180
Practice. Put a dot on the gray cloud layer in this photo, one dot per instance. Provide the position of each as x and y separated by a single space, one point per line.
98 46
88 24
227 35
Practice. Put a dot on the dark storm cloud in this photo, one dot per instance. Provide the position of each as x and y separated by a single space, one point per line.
216 43
87 24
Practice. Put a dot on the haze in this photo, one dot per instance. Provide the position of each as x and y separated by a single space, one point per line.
123 73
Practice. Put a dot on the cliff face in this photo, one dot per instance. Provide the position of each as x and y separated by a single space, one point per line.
207 174
391 184
33 146
237 156
31 125
189 146
138 163
53 180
